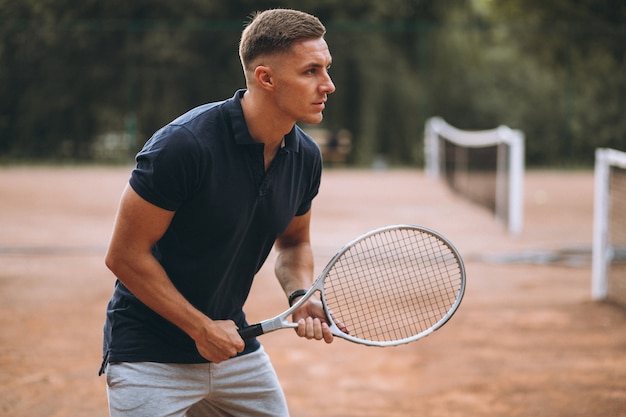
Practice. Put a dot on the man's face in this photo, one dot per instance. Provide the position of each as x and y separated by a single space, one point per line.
302 81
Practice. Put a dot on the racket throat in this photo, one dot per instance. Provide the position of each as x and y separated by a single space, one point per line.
276 324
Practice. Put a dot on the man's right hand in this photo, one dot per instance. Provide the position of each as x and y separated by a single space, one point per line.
219 340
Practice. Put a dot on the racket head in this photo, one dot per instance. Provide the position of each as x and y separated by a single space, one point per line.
392 285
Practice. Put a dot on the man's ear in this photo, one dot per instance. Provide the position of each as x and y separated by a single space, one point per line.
264 77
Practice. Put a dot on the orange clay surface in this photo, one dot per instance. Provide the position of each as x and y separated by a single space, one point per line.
527 340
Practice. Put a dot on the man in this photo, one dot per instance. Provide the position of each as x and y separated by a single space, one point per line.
211 194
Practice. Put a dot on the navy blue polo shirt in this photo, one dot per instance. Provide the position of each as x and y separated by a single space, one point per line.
206 167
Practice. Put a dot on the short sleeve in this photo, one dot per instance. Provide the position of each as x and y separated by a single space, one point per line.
169 168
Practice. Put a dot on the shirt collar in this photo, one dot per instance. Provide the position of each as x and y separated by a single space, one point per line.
240 128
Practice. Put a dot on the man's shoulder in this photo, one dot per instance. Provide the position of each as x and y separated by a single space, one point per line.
199 113
208 111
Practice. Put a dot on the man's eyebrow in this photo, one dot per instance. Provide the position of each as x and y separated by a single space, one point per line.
318 65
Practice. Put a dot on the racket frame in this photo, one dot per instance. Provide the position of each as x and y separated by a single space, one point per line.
280 321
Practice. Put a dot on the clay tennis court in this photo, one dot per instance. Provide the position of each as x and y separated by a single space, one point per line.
527 340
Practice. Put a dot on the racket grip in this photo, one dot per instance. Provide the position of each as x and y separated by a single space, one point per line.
251 331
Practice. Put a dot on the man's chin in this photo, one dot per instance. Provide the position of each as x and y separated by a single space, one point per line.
313 120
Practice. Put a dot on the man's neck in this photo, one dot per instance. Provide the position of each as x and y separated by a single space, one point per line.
264 125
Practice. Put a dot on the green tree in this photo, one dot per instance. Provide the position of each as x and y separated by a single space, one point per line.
581 44
556 70
71 72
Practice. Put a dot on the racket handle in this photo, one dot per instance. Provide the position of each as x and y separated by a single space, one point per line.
251 331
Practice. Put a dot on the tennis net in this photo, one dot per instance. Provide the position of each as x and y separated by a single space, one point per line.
487 167
609 226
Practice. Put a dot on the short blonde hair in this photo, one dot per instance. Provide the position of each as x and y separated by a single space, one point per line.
274 31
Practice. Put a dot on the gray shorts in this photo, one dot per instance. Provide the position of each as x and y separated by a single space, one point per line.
243 386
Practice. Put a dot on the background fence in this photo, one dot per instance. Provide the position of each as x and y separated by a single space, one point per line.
94 82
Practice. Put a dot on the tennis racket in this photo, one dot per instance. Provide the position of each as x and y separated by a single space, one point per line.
390 286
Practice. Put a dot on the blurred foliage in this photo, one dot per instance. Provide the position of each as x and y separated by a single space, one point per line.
555 69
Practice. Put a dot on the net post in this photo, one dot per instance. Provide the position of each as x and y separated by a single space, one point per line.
503 179
516 185
431 149
600 226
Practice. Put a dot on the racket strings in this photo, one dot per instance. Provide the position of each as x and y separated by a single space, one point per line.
393 285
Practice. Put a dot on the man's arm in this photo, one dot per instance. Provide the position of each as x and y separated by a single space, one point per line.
294 270
138 226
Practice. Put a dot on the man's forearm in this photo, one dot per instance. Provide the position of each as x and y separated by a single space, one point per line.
294 267
148 281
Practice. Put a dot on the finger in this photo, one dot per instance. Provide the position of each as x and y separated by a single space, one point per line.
318 333
342 327
301 329
310 327
239 343
313 328
327 335
339 324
